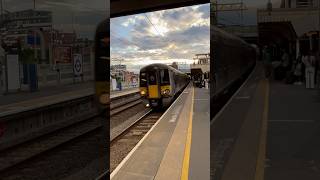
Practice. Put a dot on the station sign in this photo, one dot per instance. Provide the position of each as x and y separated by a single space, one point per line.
77 64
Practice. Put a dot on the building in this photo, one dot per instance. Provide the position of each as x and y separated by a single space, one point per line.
293 26
19 24
201 62
25 29
299 3
124 77
200 69
27 19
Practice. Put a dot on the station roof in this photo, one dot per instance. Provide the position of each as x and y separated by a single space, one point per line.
273 31
129 7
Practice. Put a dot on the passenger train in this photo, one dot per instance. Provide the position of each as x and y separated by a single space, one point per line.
233 59
160 83
102 62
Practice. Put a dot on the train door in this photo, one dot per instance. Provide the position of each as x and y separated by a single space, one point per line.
165 82
143 84
153 85
172 82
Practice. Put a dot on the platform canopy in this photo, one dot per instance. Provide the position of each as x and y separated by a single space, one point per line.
276 32
129 7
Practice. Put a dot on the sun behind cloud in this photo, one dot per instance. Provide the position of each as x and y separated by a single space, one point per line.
167 36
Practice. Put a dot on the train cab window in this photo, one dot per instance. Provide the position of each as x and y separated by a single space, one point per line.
143 79
152 78
165 77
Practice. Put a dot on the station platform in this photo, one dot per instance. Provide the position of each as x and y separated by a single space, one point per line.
25 101
268 130
177 146
43 92
115 94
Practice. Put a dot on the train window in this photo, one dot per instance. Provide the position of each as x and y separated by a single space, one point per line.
165 77
152 78
143 79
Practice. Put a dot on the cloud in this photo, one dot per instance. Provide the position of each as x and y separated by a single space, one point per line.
205 10
170 35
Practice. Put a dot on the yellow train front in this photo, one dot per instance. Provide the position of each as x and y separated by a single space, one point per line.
160 83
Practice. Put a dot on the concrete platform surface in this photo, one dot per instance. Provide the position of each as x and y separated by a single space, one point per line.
24 101
168 151
36 103
43 92
268 130
293 144
236 131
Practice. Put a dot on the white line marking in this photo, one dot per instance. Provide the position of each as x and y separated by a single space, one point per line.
226 105
303 121
175 114
173 118
201 99
114 172
103 174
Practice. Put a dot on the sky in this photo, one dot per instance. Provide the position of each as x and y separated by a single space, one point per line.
167 36
68 15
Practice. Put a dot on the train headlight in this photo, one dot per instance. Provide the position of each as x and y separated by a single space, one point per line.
166 92
142 93
104 99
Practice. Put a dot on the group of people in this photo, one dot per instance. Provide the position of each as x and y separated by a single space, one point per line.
305 68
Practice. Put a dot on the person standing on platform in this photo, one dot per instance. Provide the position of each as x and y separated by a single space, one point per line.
266 56
285 61
298 71
309 61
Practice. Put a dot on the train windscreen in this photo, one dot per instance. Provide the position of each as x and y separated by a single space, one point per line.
165 80
152 78
143 79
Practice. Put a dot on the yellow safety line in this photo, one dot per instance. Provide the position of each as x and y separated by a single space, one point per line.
259 175
186 159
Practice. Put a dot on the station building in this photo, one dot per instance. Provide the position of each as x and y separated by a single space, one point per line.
289 27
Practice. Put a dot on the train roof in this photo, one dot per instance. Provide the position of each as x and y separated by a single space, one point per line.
221 36
153 66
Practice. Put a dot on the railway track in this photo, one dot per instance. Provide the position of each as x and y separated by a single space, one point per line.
27 150
120 104
14 159
121 145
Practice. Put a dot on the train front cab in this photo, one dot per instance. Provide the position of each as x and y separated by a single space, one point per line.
155 87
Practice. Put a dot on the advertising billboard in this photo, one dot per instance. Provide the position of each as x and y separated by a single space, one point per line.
62 55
